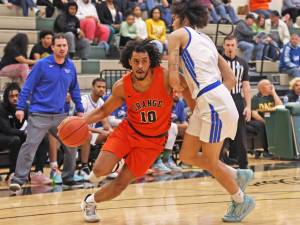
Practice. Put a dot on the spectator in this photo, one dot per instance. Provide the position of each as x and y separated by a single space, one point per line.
128 31
26 5
260 7
291 7
14 63
165 163
290 57
47 86
90 24
244 35
69 24
259 24
156 28
277 30
294 92
90 102
224 10
109 14
43 48
261 103
241 95
12 135
140 23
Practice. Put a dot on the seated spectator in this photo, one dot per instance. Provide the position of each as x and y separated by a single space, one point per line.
69 24
259 24
109 14
290 57
128 31
291 7
277 30
140 23
26 5
166 164
244 36
156 28
99 135
260 7
294 92
263 102
90 24
43 48
13 135
224 10
14 63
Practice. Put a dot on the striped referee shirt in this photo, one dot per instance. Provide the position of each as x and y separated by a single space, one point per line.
240 69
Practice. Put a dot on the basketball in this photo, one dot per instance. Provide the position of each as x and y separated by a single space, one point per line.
73 131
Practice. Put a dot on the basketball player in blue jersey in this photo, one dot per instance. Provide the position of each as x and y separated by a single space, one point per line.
214 115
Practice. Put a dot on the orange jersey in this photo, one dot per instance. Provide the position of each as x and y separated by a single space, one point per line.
149 112
259 4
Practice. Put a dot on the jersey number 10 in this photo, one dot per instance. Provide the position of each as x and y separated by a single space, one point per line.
148 117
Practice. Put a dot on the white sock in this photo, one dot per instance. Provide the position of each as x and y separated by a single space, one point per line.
238 197
53 165
94 179
91 199
232 171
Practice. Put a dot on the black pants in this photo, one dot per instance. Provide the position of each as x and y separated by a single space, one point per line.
294 13
238 146
13 143
260 136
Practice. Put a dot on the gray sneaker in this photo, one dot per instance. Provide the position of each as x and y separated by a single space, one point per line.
89 211
14 186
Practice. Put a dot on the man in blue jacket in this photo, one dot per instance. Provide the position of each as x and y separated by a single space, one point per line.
290 57
46 88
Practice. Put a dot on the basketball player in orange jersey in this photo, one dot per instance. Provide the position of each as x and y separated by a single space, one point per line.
139 138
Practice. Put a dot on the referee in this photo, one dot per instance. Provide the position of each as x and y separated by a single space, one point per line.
238 146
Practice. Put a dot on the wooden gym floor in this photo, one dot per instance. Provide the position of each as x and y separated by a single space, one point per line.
191 198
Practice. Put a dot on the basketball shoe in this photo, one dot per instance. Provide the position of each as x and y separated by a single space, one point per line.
244 177
89 211
238 211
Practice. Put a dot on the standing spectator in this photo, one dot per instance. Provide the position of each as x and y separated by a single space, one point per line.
46 87
109 14
294 92
69 24
277 29
291 7
140 23
238 146
244 35
156 28
128 31
14 63
290 57
90 24
13 135
260 7
43 48
261 103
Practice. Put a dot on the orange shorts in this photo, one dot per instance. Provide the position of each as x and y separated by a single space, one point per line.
139 152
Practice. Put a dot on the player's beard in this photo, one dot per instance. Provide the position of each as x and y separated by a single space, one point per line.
142 78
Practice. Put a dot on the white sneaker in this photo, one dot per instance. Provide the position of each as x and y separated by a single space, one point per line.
89 211
172 165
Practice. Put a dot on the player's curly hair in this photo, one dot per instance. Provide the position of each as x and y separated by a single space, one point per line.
193 10
9 87
140 46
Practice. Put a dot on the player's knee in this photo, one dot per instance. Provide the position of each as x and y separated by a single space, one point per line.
101 171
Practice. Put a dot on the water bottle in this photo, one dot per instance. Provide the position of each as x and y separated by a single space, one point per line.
286 100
